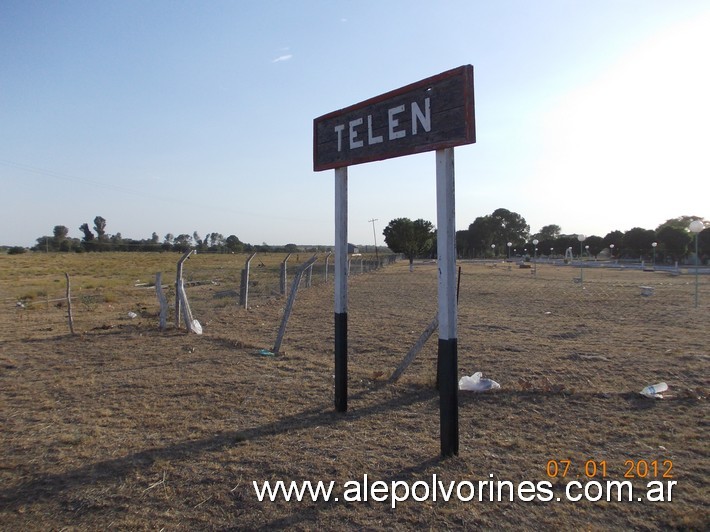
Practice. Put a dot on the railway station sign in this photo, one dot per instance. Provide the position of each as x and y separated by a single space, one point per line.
431 114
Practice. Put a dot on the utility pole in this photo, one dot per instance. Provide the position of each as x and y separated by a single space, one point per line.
374 235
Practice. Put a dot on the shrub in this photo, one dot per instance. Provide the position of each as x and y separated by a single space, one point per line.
16 250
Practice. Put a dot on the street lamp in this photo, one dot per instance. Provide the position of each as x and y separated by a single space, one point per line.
654 254
581 239
535 257
509 244
695 227
611 251
493 247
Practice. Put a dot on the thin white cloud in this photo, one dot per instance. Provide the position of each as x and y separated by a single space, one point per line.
284 57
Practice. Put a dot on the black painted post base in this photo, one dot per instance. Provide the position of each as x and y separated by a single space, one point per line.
341 362
448 385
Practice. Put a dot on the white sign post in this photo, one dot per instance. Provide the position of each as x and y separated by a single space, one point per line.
341 289
434 114
447 358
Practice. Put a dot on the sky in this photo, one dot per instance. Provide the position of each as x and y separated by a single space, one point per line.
181 116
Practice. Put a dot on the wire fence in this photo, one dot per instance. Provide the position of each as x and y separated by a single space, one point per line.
506 312
110 298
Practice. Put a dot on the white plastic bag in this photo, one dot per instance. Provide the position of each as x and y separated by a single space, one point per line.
655 391
196 327
475 383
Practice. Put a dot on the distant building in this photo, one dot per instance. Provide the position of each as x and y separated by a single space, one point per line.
352 249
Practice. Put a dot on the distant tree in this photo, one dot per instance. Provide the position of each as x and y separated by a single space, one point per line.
168 242
499 228
290 248
16 250
673 241
463 244
547 237
182 243
69 244
595 243
119 244
201 244
480 235
681 222
412 238
548 232
704 243
100 228
88 242
44 243
616 238
88 235
509 227
564 242
154 238
637 242
217 242
60 233
233 244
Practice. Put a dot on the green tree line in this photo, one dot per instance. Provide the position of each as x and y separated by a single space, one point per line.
504 234
96 238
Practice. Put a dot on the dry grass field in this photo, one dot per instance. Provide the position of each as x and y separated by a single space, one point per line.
124 426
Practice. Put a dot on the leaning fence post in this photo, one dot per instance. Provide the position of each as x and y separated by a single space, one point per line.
69 314
291 299
244 287
433 325
178 284
161 300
